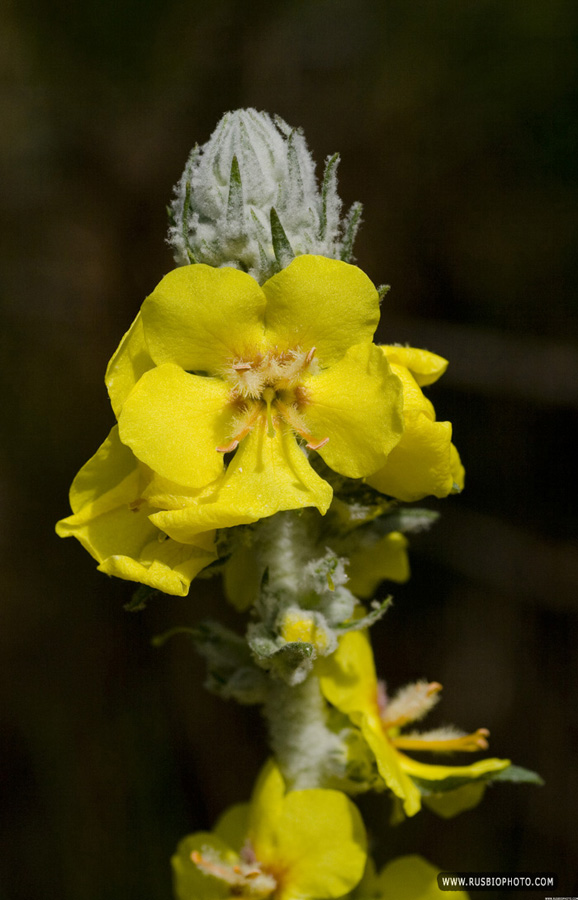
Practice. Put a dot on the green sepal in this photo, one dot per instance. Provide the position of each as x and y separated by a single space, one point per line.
140 598
428 786
350 228
291 662
235 205
294 661
448 802
329 184
382 290
378 611
455 802
518 775
281 247
295 177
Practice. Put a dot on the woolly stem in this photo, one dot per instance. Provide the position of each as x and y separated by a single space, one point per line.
306 750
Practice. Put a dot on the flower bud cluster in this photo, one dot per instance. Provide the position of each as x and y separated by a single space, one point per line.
249 198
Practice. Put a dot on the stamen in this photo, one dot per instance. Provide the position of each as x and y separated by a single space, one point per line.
469 743
246 424
318 445
411 703
229 447
292 417
245 879
208 867
242 366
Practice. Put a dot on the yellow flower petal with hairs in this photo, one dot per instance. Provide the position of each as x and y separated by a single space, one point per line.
265 476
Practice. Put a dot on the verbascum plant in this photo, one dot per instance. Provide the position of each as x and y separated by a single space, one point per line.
261 435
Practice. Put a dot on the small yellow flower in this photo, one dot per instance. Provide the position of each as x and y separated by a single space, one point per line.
299 845
424 461
348 680
301 625
404 878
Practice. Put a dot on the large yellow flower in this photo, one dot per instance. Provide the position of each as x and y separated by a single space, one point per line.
348 680
239 368
216 387
300 845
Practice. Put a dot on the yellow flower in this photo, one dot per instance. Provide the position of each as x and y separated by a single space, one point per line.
215 365
111 520
348 680
238 368
405 878
299 845
424 461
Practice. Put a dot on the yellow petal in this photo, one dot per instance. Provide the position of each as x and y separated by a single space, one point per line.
166 566
266 475
189 881
385 560
109 478
347 677
201 317
414 399
233 825
388 762
265 809
130 360
320 845
112 522
356 404
458 471
451 803
411 878
322 303
174 422
241 578
425 367
348 681
423 462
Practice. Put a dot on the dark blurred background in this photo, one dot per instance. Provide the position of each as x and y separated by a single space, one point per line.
456 126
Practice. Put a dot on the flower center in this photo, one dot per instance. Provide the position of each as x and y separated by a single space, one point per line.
269 388
245 878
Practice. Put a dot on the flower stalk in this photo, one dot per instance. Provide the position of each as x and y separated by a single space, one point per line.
262 436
